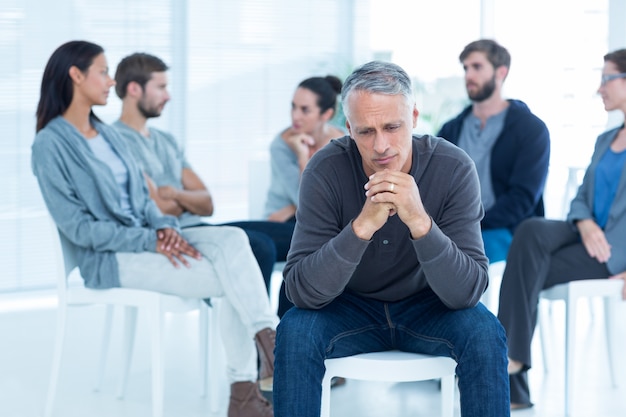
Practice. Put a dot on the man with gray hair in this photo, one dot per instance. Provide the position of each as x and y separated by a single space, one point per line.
387 254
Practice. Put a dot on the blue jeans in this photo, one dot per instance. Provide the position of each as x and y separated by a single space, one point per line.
421 323
497 242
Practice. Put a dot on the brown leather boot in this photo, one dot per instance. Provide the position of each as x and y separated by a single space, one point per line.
265 341
246 401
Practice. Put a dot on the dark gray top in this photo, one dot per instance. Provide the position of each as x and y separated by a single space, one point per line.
327 258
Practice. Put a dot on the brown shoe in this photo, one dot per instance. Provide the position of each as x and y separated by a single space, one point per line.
265 341
246 401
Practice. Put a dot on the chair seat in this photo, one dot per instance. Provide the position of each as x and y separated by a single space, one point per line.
584 288
130 297
392 366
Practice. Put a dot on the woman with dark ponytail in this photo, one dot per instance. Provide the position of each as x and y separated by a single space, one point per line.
312 107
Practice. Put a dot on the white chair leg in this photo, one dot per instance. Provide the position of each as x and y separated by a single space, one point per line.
608 321
104 349
212 353
592 312
156 325
56 358
203 348
447 396
325 405
130 326
570 344
543 334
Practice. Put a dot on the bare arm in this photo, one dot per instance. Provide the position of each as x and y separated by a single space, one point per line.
167 206
302 146
194 197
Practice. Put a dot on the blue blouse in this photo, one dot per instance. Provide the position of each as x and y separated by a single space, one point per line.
607 178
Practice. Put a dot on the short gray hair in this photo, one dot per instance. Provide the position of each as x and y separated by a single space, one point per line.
377 77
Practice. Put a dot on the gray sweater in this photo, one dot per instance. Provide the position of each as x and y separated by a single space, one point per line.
327 258
82 197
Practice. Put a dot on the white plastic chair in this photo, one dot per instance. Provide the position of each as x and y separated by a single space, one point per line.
393 366
259 173
259 177
610 291
153 304
492 293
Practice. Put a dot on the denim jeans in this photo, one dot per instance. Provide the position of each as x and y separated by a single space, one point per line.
353 324
497 242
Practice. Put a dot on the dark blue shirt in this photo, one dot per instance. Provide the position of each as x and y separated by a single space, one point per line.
607 179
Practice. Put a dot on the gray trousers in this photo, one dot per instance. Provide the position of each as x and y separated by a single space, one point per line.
543 253
227 270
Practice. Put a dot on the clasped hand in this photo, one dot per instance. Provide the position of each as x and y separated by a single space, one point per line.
389 193
174 247
301 144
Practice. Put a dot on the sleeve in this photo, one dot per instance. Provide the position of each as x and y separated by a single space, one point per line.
177 150
285 171
72 215
323 255
155 218
525 184
581 206
451 254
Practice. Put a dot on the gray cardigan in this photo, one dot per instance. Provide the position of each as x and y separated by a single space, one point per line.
82 197
327 258
582 205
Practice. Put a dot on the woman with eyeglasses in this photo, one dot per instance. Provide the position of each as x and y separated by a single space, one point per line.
589 244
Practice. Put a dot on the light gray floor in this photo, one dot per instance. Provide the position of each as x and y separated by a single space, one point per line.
27 331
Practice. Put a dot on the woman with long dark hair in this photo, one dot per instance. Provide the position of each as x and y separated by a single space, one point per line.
98 198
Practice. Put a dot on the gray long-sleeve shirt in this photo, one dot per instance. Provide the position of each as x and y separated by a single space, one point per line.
327 258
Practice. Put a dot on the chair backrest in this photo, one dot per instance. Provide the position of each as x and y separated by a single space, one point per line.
65 255
258 184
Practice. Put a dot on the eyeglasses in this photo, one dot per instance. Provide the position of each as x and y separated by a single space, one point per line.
610 77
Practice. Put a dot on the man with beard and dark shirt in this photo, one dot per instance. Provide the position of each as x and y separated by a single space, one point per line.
509 145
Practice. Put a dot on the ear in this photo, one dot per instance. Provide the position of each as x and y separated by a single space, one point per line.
415 114
133 89
502 72
75 74
328 114
348 128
